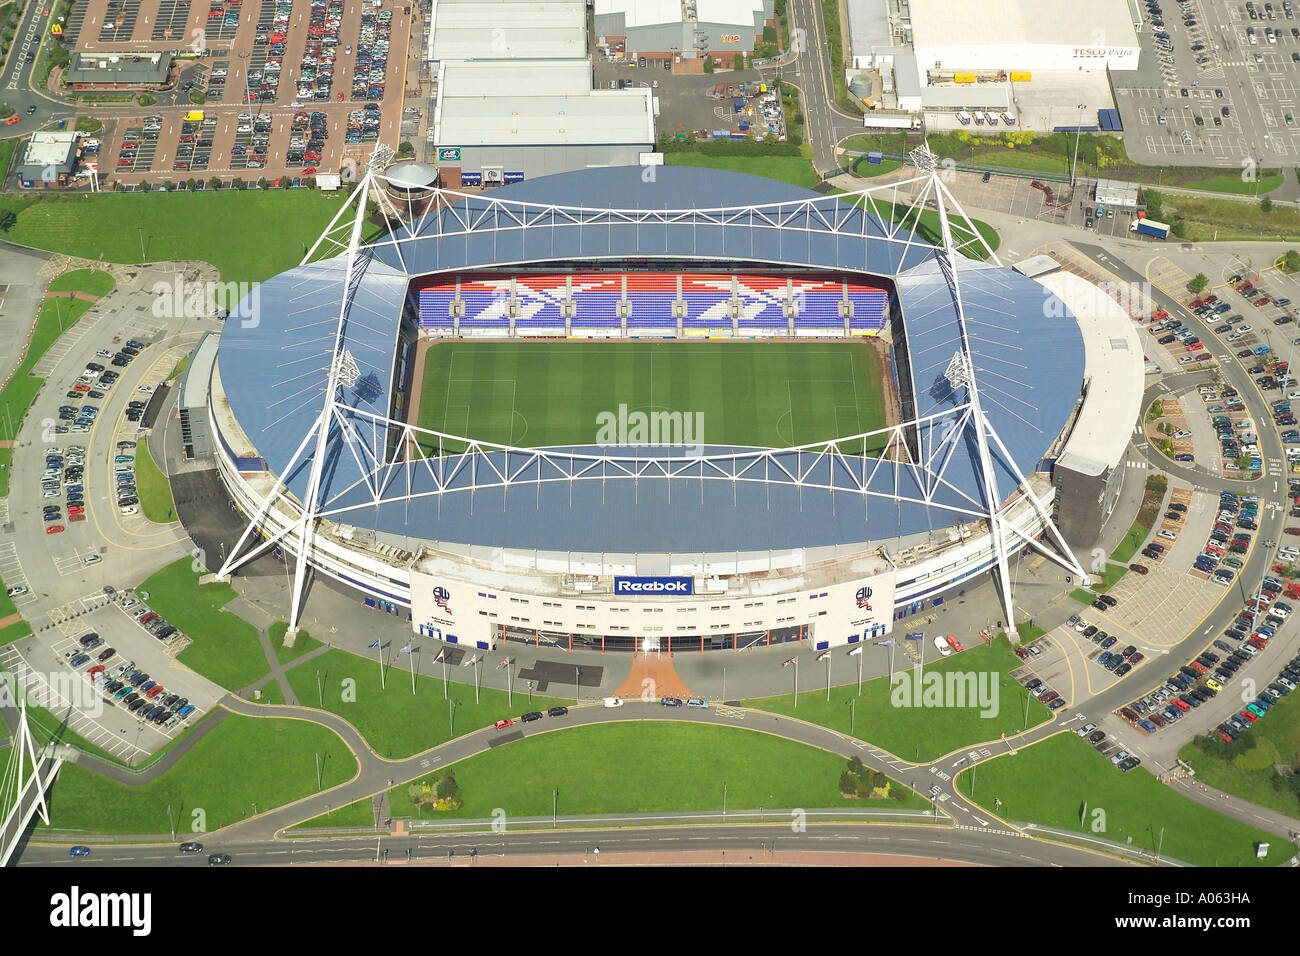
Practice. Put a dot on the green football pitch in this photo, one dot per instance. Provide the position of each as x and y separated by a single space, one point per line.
765 394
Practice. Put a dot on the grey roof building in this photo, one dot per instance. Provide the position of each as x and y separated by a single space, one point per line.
119 69
48 157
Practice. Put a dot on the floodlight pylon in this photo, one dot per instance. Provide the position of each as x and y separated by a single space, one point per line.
961 374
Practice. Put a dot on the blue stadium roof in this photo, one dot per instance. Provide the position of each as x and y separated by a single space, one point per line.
1026 347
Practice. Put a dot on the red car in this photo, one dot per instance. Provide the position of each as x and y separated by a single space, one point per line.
97 669
1291 530
13 119
1182 705
1139 568
53 528
503 723
309 171
80 387
954 643
154 691
1248 717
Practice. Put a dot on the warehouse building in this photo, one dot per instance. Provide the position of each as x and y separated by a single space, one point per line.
995 36
675 30
507 30
497 122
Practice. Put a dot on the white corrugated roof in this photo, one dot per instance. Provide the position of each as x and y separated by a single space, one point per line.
536 103
646 13
508 29
938 23
1114 374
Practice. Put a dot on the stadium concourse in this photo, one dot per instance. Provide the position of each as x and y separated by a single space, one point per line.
621 545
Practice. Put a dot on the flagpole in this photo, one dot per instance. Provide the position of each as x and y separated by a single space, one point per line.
383 683
412 655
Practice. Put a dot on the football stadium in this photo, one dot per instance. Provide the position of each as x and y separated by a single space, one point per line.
665 409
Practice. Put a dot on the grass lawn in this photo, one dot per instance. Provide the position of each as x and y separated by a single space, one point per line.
155 491
212 779
228 228
396 722
860 167
1235 184
769 394
7 147
15 631
301 645
91 281
788 169
1019 159
1244 768
915 733
225 649
1050 783
180 367
6 459
1207 219
358 814
55 317
646 767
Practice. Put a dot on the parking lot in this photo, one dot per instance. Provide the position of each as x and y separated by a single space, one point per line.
292 88
1211 93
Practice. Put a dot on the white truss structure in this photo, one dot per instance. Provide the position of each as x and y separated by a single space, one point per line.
27 776
462 465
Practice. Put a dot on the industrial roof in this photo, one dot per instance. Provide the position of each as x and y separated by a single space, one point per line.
1028 358
868 27
941 23
644 13
508 29
536 103
1113 375
147 68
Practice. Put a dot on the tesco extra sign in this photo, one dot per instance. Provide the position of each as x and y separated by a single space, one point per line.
655 585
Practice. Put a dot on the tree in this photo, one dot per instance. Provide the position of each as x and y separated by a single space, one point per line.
190 184
739 62
405 148
1292 261
1266 205
708 64
1198 283
8 219
848 784
214 183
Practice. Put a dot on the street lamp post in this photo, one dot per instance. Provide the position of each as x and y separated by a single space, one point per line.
1078 129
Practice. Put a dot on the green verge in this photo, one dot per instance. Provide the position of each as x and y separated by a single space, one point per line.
6 459
56 316
213 781
787 169
915 732
90 281
1246 767
1055 782
603 769
14 632
211 227
304 642
394 721
225 647
863 169
1202 219
1235 184
155 490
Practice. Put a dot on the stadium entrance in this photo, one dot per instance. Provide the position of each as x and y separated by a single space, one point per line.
655 643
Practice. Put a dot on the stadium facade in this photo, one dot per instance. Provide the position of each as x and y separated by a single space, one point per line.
672 548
